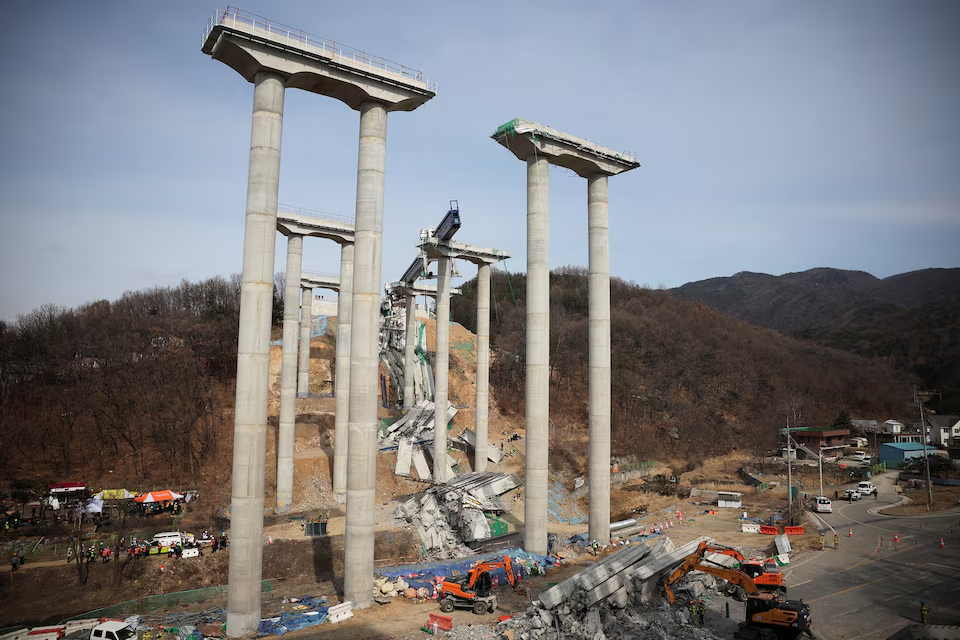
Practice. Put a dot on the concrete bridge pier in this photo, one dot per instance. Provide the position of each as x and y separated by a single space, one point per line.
364 358
409 352
306 315
288 374
342 373
599 359
441 470
538 145
253 356
483 367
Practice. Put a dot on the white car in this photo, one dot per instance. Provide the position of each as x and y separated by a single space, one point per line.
851 494
866 488
822 504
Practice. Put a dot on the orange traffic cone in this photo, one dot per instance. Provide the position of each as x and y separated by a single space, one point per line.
896 537
161 567
941 543
850 534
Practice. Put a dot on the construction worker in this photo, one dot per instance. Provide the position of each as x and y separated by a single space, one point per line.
923 611
836 540
701 612
693 612
821 542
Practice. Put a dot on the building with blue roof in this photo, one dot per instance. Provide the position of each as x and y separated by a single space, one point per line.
894 453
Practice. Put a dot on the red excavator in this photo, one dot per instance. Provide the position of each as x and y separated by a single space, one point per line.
474 590
767 616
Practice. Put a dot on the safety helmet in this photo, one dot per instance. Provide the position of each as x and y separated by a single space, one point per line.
923 602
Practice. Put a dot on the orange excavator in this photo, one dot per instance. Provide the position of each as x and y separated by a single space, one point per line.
767 616
474 590
764 573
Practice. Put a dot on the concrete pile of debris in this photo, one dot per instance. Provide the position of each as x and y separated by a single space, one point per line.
639 622
412 434
617 597
446 516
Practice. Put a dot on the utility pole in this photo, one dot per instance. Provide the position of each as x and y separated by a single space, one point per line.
923 438
789 476
820 462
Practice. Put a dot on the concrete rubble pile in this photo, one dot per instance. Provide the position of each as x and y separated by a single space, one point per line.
617 597
412 434
446 516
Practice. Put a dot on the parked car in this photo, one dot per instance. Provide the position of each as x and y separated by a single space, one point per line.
861 456
866 488
851 495
112 630
822 504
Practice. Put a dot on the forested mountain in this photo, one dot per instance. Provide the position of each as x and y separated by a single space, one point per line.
138 386
821 298
687 380
910 321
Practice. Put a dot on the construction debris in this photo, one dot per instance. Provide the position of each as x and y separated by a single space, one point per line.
636 622
613 598
446 516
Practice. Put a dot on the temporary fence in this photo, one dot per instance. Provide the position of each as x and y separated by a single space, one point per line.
164 600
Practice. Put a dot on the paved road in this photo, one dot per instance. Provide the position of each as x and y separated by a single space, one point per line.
860 592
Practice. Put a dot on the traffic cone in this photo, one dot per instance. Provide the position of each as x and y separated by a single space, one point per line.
941 543
896 537
161 567
269 539
850 533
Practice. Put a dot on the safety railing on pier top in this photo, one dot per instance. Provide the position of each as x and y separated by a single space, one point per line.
312 213
234 17
320 275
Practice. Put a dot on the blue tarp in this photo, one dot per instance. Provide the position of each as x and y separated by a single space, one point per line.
314 614
424 575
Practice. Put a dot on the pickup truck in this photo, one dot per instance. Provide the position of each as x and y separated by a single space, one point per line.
866 488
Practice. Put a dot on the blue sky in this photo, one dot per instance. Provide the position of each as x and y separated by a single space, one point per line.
774 137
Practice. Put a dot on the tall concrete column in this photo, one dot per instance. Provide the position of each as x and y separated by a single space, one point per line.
599 343
306 316
253 358
538 354
441 471
288 374
409 353
341 387
364 358
483 366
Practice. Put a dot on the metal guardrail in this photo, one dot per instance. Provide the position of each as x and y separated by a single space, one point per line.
314 213
317 274
235 17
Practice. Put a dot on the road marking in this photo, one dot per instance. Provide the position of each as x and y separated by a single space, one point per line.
859 586
926 586
800 583
837 615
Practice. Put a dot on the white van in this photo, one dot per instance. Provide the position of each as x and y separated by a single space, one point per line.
112 630
167 540
822 504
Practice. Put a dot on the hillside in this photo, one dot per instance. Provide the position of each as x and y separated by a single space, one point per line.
688 381
821 298
909 321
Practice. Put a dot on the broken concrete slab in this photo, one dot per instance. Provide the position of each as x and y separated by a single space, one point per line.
404 457
494 454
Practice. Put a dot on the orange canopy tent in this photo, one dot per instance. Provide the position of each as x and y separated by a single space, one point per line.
159 496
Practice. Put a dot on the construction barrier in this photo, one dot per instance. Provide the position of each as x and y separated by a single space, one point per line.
750 527
793 531
770 531
444 623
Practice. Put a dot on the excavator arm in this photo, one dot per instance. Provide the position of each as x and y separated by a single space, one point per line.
733 576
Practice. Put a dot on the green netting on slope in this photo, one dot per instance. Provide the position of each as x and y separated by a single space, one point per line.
162 601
